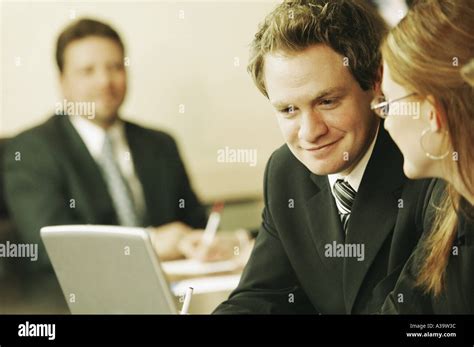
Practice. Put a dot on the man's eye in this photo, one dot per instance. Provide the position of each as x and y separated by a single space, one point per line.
117 67
287 110
329 103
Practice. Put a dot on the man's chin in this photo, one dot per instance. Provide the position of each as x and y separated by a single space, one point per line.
106 116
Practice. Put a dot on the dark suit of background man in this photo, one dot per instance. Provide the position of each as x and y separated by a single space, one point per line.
340 217
93 167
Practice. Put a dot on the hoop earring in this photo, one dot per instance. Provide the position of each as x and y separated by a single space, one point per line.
428 154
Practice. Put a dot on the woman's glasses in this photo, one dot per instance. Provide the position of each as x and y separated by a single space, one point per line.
381 106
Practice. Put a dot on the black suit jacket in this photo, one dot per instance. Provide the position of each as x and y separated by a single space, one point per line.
457 296
288 271
56 167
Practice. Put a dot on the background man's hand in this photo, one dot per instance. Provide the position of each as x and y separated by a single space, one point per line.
226 245
165 239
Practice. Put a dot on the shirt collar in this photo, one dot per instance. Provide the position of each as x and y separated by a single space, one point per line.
93 135
355 176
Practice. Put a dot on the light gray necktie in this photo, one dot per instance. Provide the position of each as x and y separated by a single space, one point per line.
345 196
118 188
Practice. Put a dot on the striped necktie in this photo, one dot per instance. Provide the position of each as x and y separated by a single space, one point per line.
118 188
345 196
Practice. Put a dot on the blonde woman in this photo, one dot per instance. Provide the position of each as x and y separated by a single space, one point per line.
428 105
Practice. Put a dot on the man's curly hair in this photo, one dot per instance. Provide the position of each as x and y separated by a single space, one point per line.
352 28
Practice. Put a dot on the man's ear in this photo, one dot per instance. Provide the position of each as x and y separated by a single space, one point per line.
437 115
61 82
61 79
378 81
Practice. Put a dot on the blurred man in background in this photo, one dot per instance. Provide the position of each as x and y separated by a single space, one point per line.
85 165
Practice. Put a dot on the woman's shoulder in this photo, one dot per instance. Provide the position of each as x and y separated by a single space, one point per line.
436 195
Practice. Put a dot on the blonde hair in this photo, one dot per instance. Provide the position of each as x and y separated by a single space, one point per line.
468 72
350 27
426 52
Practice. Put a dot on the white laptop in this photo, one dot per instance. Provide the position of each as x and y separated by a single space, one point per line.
108 269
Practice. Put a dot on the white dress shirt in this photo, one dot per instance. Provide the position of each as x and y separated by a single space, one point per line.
93 137
355 176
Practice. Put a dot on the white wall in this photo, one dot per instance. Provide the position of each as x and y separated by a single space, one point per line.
174 61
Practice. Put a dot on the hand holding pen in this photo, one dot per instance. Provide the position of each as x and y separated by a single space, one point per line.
208 245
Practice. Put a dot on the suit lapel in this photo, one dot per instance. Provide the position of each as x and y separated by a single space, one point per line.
325 226
374 211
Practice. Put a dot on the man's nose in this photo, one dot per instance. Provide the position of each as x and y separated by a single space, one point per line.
103 78
312 126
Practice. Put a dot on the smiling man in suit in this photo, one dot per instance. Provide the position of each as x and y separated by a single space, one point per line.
340 217
85 165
